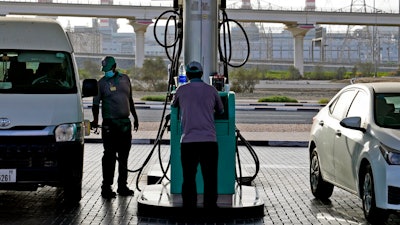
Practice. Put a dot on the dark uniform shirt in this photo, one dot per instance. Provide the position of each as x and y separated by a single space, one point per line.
115 93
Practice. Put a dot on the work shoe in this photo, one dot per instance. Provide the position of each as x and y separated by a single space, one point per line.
108 193
125 191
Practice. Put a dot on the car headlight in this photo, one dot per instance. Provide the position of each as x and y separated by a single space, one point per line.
392 156
68 132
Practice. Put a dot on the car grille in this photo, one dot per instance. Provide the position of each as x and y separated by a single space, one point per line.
393 195
27 152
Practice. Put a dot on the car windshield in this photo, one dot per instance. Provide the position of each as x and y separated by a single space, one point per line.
36 72
387 110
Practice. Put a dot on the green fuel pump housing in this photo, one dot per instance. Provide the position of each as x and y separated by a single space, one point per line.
226 137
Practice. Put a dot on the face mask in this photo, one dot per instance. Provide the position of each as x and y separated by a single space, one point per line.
109 74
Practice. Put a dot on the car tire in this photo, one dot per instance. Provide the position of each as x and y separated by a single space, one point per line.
72 185
373 214
319 188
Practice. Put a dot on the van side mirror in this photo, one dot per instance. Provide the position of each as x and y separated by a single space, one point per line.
89 88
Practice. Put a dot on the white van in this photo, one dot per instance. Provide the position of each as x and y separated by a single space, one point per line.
41 113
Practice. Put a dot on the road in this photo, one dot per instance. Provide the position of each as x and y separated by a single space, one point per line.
250 116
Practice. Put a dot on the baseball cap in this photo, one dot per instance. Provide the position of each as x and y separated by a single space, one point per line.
107 63
194 67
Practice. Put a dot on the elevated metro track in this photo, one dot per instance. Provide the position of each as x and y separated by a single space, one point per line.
378 18
129 59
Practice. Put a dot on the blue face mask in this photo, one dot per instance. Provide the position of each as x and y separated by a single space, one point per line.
109 74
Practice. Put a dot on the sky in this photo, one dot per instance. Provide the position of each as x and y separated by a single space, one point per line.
331 5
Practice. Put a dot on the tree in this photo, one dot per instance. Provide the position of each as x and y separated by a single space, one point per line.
340 73
244 80
354 71
294 73
90 69
319 73
366 69
153 75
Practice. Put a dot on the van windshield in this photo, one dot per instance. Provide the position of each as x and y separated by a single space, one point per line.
36 72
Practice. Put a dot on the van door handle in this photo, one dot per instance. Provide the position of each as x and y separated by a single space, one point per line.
321 123
338 133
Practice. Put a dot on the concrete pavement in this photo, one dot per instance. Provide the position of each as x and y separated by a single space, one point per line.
282 183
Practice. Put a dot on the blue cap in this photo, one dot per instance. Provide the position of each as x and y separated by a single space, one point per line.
194 67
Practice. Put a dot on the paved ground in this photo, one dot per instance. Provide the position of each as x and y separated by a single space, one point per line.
282 183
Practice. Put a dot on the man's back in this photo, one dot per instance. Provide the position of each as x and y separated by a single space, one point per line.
197 102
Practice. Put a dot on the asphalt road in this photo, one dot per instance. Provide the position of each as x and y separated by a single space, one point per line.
242 116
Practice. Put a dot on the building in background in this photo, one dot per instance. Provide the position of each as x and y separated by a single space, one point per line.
267 44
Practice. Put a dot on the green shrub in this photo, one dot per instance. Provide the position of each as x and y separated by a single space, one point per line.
155 98
294 73
277 75
152 76
243 80
277 98
323 101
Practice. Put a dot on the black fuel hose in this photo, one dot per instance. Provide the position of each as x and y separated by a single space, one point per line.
240 179
225 51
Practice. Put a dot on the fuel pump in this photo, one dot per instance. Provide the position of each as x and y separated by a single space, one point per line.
200 19
197 34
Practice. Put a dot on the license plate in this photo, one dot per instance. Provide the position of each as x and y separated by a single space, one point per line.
8 175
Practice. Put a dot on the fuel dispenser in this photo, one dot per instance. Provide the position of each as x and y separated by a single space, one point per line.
225 127
198 28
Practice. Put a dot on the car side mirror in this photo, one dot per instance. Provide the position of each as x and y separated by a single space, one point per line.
352 123
89 88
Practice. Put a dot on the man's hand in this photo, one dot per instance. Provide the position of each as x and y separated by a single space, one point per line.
136 125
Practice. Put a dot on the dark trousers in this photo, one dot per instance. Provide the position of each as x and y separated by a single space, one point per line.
205 154
117 141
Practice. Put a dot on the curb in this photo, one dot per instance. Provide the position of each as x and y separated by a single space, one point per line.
253 143
240 106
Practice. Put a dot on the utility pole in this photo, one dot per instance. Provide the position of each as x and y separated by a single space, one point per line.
355 6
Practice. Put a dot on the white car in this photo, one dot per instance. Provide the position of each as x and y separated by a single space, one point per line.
355 145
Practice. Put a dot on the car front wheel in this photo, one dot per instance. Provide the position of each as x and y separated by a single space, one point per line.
373 214
319 188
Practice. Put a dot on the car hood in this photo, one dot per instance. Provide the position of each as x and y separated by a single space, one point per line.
39 110
388 136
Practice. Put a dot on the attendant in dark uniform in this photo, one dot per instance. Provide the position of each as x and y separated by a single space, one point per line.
115 95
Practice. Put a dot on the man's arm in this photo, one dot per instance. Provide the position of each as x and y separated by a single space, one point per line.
134 114
95 111
133 109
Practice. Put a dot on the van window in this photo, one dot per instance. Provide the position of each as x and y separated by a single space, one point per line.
36 72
